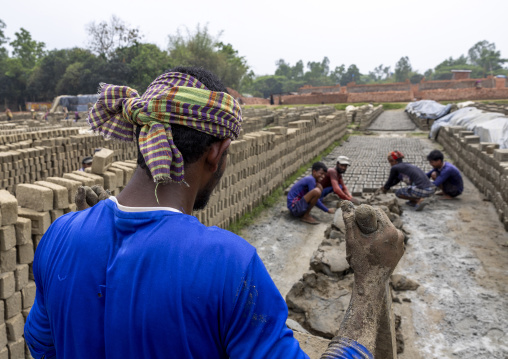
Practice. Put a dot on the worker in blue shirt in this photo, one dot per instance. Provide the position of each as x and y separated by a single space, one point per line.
137 276
445 176
306 193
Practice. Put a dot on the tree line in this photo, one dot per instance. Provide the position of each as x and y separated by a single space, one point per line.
116 53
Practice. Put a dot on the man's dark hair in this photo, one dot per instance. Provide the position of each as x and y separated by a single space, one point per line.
319 166
191 143
435 155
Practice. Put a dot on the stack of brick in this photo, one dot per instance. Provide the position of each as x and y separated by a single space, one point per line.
424 124
29 161
483 163
262 161
17 290
257 164
491 107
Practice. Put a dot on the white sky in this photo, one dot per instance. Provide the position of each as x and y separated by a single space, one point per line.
362 32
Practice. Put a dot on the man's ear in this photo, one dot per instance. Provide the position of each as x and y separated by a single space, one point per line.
215 153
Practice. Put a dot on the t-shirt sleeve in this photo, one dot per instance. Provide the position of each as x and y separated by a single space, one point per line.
37 327
334 179
393 179
257 323
442 177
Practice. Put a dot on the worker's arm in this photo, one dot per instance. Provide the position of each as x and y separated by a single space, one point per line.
392 180
334 179
256 323
373 249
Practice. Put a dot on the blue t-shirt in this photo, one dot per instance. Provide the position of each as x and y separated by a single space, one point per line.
158 284
451 179
300 189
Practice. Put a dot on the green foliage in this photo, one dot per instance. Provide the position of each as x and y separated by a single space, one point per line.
403 69
484 55
105 38
144 61
27 50
351 75
202 49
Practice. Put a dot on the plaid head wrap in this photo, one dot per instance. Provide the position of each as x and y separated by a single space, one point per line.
173 98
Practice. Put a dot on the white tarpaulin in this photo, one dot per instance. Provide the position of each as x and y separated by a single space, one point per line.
428 109
489 126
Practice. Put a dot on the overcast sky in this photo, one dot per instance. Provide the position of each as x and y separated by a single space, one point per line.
366 33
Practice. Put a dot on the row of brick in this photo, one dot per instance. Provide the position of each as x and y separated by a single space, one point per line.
257 164
483 163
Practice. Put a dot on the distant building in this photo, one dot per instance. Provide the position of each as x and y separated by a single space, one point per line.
461 74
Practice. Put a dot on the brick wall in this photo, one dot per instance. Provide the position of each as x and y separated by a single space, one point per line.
397 86
391 96
482 163
314 99
321 89
463 94
457 84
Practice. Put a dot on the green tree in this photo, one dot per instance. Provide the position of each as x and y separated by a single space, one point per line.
26 49
443 71
403 69
337 73
202 49
106 37
318 74
264 86
379 73
42 84
145 61
484 55
351 75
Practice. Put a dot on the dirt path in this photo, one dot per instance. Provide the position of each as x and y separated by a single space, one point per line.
457 253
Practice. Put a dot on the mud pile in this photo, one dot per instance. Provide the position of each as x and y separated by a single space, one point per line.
320 298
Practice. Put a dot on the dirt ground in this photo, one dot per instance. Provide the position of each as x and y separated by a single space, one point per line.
458 253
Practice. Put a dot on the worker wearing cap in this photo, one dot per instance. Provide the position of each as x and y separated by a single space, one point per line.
333 180
86 163
419 186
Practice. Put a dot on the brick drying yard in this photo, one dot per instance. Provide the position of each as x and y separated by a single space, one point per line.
457 253
450 289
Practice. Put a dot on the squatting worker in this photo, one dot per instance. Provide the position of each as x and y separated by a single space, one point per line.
333 181
445 176
418 185
137 276
306 193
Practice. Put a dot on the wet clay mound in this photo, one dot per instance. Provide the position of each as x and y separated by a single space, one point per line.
320 298
318 302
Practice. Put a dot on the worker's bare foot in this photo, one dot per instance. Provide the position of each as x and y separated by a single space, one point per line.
445 196
309 219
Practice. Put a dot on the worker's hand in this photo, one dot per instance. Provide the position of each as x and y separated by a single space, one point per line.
355 201
331 210
433 175
87 197
382 189
373 245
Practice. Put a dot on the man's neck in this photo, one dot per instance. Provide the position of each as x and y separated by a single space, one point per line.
142 191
